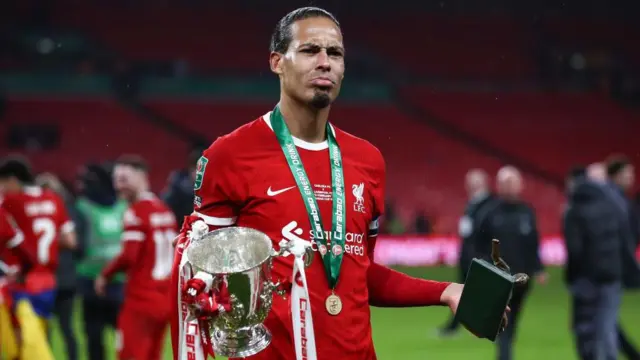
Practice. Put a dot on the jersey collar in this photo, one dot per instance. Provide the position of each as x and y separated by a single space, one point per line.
299 142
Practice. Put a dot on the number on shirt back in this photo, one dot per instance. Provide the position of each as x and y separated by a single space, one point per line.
164 253
45 230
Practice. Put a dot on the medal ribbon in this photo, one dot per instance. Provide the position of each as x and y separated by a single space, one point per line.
303 334
194 339
332 258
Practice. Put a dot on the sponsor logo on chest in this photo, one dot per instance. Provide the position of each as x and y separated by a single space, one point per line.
353 243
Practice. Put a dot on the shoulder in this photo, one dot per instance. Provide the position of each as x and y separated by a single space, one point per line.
135 214
226 145
53 196
358 148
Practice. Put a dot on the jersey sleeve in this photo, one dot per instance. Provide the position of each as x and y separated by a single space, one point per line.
134 223
378 181
65 223
219 186
10 237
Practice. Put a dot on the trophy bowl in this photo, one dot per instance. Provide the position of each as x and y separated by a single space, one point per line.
239 259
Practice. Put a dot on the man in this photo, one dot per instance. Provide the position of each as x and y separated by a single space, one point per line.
102 212
621 175
179 192
66 273
595 233
146 257
42 219
477 187
513 221
254 186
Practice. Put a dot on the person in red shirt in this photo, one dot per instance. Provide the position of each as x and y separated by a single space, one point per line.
146 257
12 239
41 217
296 177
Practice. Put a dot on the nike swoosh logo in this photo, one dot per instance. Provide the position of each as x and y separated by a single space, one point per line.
277 192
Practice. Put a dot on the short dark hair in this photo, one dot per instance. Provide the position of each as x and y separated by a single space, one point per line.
18 167
617 163
281 37
135 161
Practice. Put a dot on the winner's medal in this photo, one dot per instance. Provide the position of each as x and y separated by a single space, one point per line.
333 304
331 251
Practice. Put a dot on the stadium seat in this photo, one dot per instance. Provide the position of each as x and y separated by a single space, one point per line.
551 131
97 130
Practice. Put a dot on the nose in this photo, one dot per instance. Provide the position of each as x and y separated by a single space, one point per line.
323 61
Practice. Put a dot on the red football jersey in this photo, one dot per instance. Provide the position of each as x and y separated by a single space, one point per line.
152 223
9 237
244 179
41 216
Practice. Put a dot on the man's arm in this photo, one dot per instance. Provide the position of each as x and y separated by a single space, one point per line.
67 232
573 238
132 244
534 246
218 191
390 288
387 287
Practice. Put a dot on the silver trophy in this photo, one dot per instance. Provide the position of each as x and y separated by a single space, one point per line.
240 260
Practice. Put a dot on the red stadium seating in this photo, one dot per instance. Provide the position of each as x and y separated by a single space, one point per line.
485 47
552 131
97 130
207 39
425 170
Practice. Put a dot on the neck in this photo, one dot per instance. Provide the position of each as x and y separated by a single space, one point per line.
304 122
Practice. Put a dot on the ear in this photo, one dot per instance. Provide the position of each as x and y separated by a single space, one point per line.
275 62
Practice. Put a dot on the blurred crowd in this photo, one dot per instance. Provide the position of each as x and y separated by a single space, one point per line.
601 230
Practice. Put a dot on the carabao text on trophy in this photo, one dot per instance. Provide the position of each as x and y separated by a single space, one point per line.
239 261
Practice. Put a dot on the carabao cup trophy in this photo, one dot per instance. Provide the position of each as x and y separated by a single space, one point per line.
237 261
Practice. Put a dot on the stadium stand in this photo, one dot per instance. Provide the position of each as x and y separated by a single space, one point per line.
553 131
84 124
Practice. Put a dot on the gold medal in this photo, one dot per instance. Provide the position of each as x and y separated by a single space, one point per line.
333 304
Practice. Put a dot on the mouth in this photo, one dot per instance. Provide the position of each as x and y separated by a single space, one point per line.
324 82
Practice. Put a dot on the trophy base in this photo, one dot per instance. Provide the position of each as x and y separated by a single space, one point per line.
241 343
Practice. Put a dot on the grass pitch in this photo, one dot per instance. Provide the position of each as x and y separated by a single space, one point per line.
409 334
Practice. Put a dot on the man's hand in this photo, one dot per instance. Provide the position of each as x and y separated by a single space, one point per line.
451 297
100 286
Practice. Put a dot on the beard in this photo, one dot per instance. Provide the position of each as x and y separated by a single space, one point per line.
320 100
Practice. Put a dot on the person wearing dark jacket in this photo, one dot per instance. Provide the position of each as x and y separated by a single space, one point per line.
621 176
478 191
597 234
179 192
513 222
